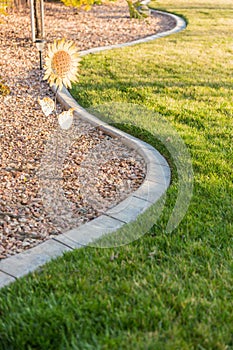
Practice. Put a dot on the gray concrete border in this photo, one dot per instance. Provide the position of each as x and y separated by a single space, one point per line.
155 185
180 25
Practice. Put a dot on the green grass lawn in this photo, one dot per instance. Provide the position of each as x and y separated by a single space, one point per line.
163 291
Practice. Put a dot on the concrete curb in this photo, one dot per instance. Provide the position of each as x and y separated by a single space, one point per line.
155 185
180 25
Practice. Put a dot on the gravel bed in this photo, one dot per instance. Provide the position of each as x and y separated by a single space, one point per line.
38 198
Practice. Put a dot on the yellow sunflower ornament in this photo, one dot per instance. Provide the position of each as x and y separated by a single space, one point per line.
61 63
61 68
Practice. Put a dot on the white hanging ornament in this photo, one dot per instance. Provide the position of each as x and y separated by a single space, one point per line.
65 119
47 105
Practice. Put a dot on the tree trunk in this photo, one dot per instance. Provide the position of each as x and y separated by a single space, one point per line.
37 19
38 15
20 3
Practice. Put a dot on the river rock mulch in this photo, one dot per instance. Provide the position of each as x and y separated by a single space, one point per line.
96 171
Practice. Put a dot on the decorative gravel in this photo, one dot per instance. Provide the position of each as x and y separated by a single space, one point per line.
38 198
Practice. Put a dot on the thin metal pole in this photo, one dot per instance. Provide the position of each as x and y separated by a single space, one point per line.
40 52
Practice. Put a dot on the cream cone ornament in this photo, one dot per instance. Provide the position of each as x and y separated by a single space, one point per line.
61 63
65 119
47 105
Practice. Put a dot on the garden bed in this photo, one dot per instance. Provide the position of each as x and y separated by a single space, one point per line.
24 130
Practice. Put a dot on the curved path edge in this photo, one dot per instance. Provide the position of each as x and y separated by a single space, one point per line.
180 25
157 180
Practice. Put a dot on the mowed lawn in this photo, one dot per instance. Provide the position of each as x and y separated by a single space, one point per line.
165 290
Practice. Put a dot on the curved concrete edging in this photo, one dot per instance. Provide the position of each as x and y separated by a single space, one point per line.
155 185
180 25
